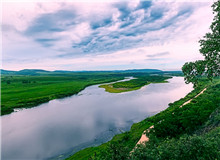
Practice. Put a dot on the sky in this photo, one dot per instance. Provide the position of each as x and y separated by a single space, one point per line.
102 34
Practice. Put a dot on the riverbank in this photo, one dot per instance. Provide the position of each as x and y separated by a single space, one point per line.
26 91
175 119
144 137
30 91
133 84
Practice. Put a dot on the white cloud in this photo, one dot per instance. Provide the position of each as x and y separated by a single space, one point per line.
20 14
56 50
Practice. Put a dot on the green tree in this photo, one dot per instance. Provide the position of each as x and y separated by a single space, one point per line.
8 81
114 151
210 49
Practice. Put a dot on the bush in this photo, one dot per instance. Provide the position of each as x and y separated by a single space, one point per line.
206 147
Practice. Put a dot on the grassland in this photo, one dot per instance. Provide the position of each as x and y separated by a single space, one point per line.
22 91
29 88
190 132
133 84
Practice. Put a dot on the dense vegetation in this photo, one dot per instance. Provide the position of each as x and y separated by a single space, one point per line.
28 88
189 132
133 84
193 147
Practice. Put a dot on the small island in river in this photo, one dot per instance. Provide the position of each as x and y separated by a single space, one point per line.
133 84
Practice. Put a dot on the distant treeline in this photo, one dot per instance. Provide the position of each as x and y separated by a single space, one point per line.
60 72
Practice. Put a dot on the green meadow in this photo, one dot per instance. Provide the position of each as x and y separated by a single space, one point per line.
133 84
22 91
29 88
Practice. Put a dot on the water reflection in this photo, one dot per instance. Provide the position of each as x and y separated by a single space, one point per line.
91 117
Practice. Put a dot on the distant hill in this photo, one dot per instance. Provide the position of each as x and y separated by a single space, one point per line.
142 70
41 71
24 72
7 71
129 70
32 71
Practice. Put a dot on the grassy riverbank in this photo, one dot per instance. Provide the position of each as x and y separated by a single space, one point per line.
29 88
176 129
19 91
133 84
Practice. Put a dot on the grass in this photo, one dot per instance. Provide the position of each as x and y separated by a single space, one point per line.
133 84
37 87
109 88
19 91
173 123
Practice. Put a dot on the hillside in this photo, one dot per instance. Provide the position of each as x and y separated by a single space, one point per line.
41 71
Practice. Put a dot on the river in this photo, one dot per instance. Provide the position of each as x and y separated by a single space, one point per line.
63 126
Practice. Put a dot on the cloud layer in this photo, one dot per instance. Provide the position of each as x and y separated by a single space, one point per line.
99 36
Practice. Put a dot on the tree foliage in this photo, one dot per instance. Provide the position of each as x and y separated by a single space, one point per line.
204 147
210 49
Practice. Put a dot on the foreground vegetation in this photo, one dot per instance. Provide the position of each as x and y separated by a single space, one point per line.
133 84
28 88
188 132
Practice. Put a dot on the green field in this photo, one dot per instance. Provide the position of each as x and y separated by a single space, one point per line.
133 84
20 91
190 132
29 88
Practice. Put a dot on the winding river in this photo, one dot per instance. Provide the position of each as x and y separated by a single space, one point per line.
63 126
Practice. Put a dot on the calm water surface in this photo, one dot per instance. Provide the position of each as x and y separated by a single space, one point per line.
93 116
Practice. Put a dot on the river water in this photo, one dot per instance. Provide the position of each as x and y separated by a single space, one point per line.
63 126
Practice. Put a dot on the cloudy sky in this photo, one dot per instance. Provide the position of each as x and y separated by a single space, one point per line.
102 35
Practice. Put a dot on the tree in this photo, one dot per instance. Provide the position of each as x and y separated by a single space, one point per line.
8 81
210 49
116 150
